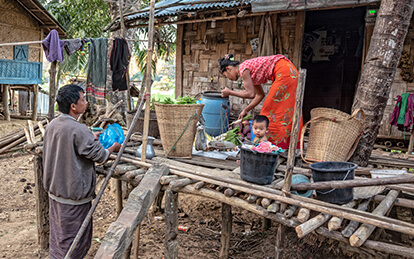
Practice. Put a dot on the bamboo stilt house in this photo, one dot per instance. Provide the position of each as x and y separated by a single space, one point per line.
21 65
329 39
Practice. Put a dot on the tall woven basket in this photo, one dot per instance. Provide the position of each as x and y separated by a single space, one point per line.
178 124
333 135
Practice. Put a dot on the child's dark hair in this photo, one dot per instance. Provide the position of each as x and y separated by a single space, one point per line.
261 118
228 60
67 95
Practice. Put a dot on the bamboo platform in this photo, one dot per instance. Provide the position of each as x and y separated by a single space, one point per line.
350 223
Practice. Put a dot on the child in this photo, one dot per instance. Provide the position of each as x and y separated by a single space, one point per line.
260 129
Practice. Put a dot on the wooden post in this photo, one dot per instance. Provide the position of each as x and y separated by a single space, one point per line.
35 102
411 144
5 95
171 224
353 225
279 243
336 222
42 205
226 224
365 230
300 26
179 61
295 134
52 90
118 188
303 215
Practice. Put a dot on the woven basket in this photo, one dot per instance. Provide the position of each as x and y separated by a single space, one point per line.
333 135
139 125
178 124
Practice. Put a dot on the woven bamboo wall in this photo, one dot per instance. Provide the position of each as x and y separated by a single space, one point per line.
203 46
16 25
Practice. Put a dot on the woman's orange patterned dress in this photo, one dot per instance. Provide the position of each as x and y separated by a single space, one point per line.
279 104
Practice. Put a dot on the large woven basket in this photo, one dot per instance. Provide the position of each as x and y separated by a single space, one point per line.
139 125
178 124
333 135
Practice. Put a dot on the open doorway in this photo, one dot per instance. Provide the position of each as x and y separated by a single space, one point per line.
331 53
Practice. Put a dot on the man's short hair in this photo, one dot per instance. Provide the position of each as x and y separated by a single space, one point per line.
67 95
261 118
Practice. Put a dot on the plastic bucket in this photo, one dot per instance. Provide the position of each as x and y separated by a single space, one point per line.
386 173
257 167
334 171
299 178
216 112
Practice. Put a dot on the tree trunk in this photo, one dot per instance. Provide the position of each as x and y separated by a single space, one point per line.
379 69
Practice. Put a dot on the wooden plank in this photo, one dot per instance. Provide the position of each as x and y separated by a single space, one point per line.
210 162
179 62
171 225
119 235
226 224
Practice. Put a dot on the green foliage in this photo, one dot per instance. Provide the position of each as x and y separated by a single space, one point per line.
180 100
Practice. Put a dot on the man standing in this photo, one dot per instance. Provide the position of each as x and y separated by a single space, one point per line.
69 156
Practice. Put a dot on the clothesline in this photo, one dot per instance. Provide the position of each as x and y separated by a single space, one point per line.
40 42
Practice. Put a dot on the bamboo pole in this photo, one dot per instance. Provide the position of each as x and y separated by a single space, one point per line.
104 184
316 205
310 225
290 211
364 231
353 183
199 185
370 244
336 222
147 102
294 135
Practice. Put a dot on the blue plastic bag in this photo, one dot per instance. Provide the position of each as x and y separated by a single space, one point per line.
112 134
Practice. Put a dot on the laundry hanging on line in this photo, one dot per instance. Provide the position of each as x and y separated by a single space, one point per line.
97 65
53 47
119 62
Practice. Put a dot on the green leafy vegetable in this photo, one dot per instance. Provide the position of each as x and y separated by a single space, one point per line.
233 137
247 117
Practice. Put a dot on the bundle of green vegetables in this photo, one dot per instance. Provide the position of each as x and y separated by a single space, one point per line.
180 100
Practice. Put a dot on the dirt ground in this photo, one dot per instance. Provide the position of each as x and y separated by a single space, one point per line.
18 233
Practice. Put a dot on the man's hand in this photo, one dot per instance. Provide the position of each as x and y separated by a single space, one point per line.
242 114
225 92
114 148
97 134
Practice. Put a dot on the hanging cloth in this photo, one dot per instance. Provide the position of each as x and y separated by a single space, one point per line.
96 76
53 47
119 64
402 116
72 45
266 37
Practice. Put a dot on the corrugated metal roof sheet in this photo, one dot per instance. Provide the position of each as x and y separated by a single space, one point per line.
183 6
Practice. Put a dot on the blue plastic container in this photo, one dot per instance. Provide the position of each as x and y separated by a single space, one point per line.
216 112
298 178
252 136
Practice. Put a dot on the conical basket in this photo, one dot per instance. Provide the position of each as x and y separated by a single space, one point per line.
333 135
177 124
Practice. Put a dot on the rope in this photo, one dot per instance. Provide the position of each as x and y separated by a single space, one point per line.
182 133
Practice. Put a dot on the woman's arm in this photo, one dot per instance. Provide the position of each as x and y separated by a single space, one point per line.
258 89
247 93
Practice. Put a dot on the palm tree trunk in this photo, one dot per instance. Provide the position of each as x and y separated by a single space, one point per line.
379 69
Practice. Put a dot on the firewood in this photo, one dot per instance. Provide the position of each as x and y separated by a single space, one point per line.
303 215
353 225
312 224
336 222
364 231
